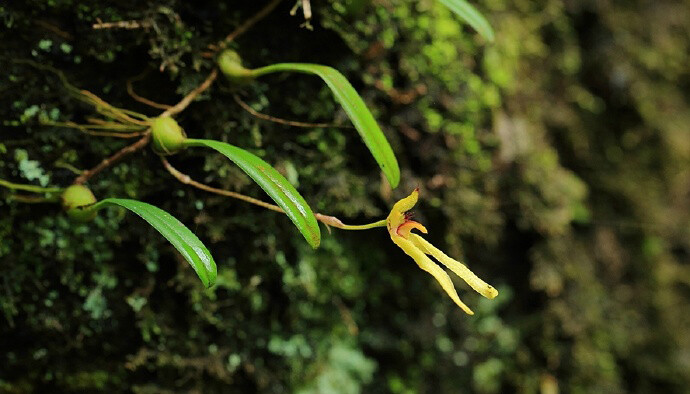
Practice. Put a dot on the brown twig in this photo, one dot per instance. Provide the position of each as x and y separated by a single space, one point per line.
107 162
270 118
184 103
129 25
306 9
246 25
187 180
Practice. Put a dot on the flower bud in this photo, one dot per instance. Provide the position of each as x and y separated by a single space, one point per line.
74 198
168 136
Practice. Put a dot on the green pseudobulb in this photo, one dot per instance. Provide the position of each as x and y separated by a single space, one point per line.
74 198
230 65
168 136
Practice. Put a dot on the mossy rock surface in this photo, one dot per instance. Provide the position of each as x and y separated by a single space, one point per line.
553 162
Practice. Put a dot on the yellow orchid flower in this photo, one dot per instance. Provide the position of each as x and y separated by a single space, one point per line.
400 226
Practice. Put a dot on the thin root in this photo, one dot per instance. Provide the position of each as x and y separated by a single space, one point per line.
88 129
144 100
270 118
187 180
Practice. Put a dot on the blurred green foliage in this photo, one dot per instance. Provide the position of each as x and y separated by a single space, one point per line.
554 161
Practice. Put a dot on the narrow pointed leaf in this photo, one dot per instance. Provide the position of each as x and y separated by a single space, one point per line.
274 184
356 110
469 14
189 246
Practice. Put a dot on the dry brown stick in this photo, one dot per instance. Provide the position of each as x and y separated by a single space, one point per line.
144 100
270 118
247 24
187 180
133 24
184 103
107 162
306 10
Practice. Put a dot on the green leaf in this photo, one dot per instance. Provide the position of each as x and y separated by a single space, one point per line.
355 108
280 190
470 15
189 246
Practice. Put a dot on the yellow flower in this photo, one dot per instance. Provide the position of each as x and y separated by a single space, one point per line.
400 227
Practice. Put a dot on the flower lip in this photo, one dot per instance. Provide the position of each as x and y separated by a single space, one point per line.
404 229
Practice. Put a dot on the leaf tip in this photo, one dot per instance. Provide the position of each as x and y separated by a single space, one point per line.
315 240
489 35
393 179
210 278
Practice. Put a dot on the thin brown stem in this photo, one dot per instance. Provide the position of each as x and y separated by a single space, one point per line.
107 162
287 122
144 100
184 103
187 180
247 24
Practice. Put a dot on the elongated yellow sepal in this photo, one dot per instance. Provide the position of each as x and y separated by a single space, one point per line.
457 267
429 266
406 203
400 229
397 215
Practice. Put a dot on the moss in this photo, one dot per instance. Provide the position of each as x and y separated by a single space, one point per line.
554 161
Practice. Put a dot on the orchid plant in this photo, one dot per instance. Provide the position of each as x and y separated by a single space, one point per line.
168 138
